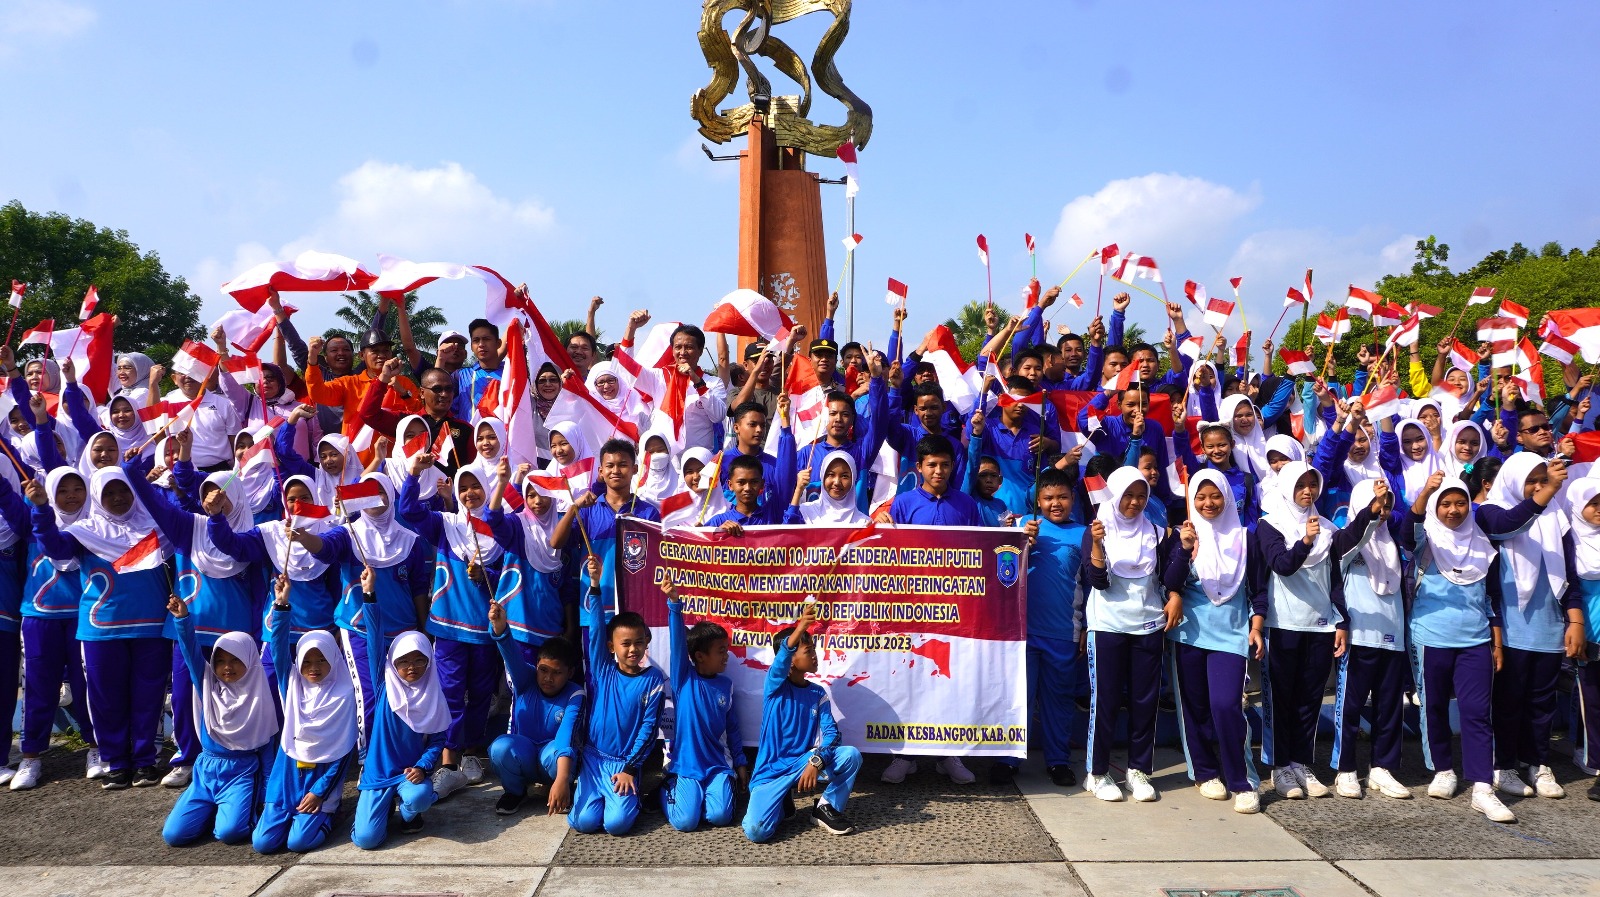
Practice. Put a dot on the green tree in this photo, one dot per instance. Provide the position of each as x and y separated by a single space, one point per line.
356 313
565 329
60 257
969 329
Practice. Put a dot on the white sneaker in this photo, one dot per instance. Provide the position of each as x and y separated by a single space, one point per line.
7 774
897 770
1287 784
472 769
1103 787
1313 786
448 781
1544 783
1444 785
1381 781
956 770
1347 784
178 777
1213 789
1139 784
1484 801
1246 802
27 774
1508 781
94 767
65 699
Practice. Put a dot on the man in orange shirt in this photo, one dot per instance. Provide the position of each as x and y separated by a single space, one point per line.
346 392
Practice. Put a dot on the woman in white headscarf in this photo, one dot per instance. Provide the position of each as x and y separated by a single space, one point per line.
568 447
302 795
125 589
236 718
133 378
700 473
529 587
489 437
1453 612
835 505
398 463
1407 455
1213 640
1464 443
1542 623
1583 548
1249 444
659 477
606 385
1127 613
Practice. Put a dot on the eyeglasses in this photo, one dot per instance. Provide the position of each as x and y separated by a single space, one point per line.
440 390
1537 428
420 663
548 381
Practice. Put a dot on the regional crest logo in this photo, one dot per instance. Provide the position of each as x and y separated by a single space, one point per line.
1007 564
633 551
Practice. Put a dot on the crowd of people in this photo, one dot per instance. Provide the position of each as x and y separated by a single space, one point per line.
320 602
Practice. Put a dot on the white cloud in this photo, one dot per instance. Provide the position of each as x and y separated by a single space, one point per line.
27 23
1156 214
1273 260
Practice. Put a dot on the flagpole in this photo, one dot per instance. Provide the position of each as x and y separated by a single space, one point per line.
583 531
1305 313
1145 291
850 294
1274 331
1099 290
14 312
1074 273
988 273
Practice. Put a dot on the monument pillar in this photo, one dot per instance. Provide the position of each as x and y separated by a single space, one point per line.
782 251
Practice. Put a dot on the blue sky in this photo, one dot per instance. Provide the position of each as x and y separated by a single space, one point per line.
550 139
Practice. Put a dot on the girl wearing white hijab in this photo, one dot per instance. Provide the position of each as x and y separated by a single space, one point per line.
1249 445
658 477
489 437
220 591
122 421
270 547
398 463
48 446
1407 455
1308 625
1218 631
1127 613
529 587
835 505
405 745
567 447
320 710
468 563
120 618
1583 576
337 464
1542 621
1455 627
1374 664
701 475
1464 443
402 568
237 720
258 479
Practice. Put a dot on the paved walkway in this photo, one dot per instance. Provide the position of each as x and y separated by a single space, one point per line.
927 838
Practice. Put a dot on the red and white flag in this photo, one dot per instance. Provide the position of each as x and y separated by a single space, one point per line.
244 368
1122 381
1298 363
183 413
960 381
983 250
194 360
511 405
249 331
1579 325
1386 315
1309 294
1136 266
1218 311
857 536
1234 282
1407 333
38 334
1382 402
360 496
1463 358
1241 353
144 555
1076 300
1032 401
1028 239
310 272
301 513
1294 297
259 452
851 241
1501 335
847 155
416 445
1196 293
17 289
1560 348
1530 372
1332 328
1424 312
747 313
1099 492
553 487
897 292
90 300
1481 296
89 345
444 445
1191 348
1106 256
1362 302
678 509
1515 312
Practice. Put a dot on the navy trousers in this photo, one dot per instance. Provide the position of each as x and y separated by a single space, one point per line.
1380 675
1122 663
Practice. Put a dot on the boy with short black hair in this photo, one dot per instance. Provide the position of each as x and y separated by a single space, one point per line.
707 748
595 516
935 501
799 740
546 705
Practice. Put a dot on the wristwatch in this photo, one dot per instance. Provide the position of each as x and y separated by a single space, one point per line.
815 761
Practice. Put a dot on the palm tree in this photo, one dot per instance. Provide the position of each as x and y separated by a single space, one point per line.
565 329
969 329
359 307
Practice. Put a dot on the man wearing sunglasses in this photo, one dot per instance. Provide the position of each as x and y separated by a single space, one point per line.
438 393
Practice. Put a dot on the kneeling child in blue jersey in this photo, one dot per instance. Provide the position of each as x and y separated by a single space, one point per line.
544 714
707 750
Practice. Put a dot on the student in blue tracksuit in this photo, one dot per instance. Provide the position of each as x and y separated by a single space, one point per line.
402 565
835 504
1221 627
707 748
304 788
120 620
406 742
545 710
590 522
1219 453
1543 624
936 501
624 709
531 572
1455 626
1126 611
1052 652
799 741
465 575
237 725
1374 665
1583 576
750 507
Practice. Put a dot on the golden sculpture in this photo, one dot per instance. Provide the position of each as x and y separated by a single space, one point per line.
787 114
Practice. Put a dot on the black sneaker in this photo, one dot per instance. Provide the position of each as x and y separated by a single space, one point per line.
116 781
413 825
832 821
1062 776
1594 790
788 807
508 803
1002 773
146 777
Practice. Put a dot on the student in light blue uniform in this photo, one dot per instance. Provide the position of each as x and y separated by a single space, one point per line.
546 708
406 742
1374 664
120 620
1126 611
1583 575
306 783
624 709
590 522
799 741
532 569
1543 621
237 725
707 756
1221 627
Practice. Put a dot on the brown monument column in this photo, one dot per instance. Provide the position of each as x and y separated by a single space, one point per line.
781 242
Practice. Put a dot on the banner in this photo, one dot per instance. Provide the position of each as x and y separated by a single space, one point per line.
919 634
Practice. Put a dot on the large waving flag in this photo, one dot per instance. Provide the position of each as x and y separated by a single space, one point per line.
750 314
310 272
960 381
1580 326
